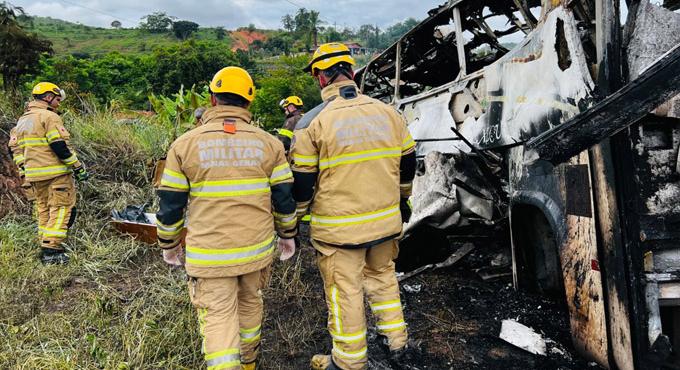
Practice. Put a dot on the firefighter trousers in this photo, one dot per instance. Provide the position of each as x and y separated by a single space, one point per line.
55 201
230 313
347 275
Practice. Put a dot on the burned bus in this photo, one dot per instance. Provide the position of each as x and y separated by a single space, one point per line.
558 120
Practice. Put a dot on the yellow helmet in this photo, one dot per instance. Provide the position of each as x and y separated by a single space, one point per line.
234 80
328 55
294 100
45 87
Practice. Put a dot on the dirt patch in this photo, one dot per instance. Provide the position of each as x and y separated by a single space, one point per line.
243 39
10 185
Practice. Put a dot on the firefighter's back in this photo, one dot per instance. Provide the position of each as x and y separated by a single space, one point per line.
360 141
228 165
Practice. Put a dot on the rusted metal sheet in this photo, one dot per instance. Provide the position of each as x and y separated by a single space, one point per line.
145 233
583 284
613 263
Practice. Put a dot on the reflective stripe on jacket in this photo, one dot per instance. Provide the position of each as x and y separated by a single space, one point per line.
37 128
239 188
355 144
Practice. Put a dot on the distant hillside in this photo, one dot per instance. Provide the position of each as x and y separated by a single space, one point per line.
72 38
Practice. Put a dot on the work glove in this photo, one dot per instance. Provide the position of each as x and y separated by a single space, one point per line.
174 256
81 174
286 247
405 209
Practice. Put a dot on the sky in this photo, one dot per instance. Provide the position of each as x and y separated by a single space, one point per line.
230 13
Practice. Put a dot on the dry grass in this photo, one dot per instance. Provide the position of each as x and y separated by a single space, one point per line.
117 305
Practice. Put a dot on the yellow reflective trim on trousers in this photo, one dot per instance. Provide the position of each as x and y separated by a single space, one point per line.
386 306
233 365
225 359
43 171
337 221
44 231
307 218
349 338
351 355
57 231
233 256
336 309
60 218
306 160
358 157
202 313
287 133
174 179
389 326
251 335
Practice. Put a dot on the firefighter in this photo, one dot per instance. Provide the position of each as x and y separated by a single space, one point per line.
354 162
294 109
43 152
234 180
18 157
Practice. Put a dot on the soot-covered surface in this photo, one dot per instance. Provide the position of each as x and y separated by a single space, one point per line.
454 318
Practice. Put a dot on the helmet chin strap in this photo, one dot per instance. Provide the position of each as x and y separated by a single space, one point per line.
337 74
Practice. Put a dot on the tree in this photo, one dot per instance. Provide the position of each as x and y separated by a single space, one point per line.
116 24
332 35
220 32
278 44
184 29
288 23
370 35
189 63
283 78
306 25
313 23
157 22
21 51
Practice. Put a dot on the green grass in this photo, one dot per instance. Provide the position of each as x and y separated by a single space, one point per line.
117 305
69 38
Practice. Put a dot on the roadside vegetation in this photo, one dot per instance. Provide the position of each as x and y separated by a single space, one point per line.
130 93
117 305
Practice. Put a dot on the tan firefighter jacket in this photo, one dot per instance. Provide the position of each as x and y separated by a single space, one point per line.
43 144
285 134
235 182
355 144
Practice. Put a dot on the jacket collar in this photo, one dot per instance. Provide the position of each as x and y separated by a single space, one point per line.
219 112
38 104
296 113
333 90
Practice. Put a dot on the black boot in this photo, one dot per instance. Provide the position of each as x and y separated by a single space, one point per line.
404 358
53 257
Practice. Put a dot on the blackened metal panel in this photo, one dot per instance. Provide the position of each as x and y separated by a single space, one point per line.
579 202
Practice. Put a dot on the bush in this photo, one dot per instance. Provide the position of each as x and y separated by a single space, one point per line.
282 79
129 79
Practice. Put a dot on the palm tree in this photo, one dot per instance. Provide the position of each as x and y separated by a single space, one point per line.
8 14
314 22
